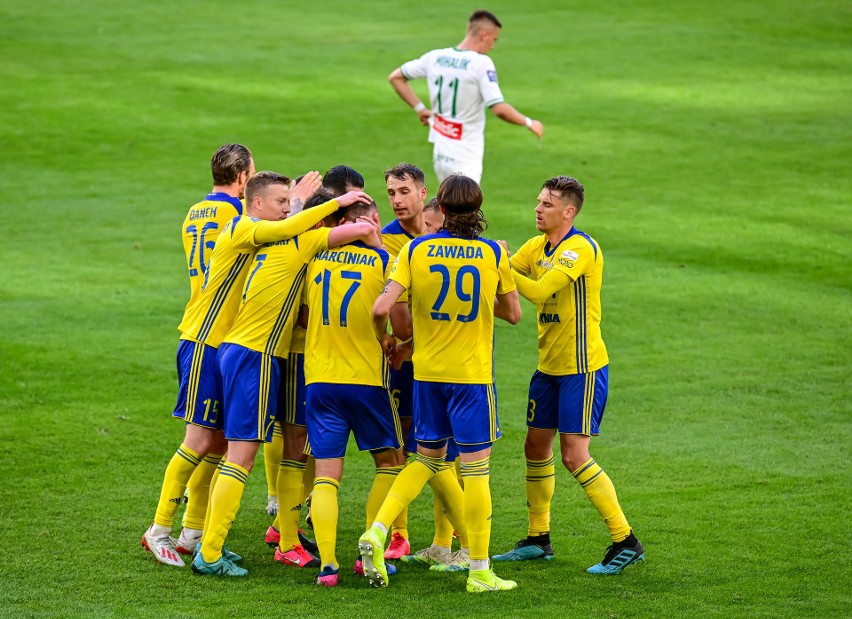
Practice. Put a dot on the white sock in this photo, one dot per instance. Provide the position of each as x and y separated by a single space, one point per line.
478 564
383 528
158 531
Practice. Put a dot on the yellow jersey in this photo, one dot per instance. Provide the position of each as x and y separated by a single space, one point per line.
297 340
340 346
201 228
394 236
569 321
452 284
270 300
209 315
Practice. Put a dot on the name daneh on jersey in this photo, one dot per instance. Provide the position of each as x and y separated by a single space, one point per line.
341 287
569 322
270 300
452 283
462 84
203 223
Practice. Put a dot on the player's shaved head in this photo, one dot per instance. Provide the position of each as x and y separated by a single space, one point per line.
567 189
260 182
228 162
406 171
431 205
482 18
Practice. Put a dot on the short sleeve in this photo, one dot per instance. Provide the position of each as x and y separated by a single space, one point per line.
414 69
506 281
312 242
401 270
489 87
403 298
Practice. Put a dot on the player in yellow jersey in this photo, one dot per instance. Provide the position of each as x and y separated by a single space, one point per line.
208 314
247 363
289 472
458 282
561 271
231 166
406 188
346 376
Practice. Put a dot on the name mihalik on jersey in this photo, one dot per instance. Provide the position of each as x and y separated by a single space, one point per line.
346 257
454 251
203 213
454 63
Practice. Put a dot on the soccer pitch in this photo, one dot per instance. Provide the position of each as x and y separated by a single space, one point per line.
714 141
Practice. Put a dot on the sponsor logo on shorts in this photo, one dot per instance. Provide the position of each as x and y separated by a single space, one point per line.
448 128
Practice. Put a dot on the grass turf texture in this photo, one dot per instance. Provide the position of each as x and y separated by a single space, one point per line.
714 143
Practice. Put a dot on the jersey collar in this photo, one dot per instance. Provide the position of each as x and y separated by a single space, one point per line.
219 196
548 250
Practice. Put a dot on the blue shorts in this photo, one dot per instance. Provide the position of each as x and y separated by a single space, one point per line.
572 404
200 391
249 391
466 413
333 410
401 388
291 393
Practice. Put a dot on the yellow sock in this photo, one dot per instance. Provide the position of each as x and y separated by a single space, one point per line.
477 507
325 518
407 486
601 493
541 482
178 472
290 493
382 483
450 496
213 481
199 492
443 528
224 505
308 478
271 457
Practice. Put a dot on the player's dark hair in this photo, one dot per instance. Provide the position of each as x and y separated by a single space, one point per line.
479 16
258 183
359 209
339 178
570 190
403 171
431 205
320 196
461 198
227 163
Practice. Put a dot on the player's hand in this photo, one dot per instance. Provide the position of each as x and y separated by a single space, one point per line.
306 187
401 352
424 116
348 199
505 246
388 343
374 239
537 128
373 221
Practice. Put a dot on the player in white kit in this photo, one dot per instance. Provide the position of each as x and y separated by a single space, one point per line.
462 83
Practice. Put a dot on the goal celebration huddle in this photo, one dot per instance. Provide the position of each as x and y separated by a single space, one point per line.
308 321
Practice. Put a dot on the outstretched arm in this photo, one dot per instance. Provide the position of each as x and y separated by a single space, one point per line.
271 231
406 93
381 312
506 112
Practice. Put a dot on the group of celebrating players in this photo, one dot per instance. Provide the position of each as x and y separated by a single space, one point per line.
307 315
307 321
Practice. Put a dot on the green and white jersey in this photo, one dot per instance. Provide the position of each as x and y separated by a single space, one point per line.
462 83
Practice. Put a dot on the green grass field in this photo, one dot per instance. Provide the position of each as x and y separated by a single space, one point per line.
715 143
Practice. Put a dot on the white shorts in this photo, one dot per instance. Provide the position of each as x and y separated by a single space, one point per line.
446 165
